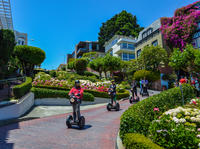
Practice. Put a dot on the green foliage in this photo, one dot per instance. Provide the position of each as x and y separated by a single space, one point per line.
52 93
188 60
125 94
121 24
42 76
90 55
87 73
138 117
7 44
149 75
22 89
152 56
138 141
52 73
29 57
97 65
80 65
168 134
112 63
71 65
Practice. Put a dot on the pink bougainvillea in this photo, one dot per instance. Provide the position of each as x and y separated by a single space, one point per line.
179 29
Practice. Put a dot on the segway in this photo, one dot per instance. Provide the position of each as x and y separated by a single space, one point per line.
131 99
145 91
110 106
70 120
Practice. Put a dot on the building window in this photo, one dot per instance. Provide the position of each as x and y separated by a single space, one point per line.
147 32
131 46
155 43
22 42
90 46
111 53
124 45
131 56
125 56
19 42
97 47
138 53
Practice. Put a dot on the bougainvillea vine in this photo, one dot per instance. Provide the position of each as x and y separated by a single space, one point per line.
179 29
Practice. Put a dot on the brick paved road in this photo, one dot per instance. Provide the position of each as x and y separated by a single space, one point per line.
51 132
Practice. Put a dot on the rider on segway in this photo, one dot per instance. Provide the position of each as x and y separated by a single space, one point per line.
134 96
76 91
112 92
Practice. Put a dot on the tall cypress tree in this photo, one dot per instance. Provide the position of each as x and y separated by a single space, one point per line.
123 23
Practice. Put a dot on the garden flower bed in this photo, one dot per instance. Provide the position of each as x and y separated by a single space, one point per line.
143 118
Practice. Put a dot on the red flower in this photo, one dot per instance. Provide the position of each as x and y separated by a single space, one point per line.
156 109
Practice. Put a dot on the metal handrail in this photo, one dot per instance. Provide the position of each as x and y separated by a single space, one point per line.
11 79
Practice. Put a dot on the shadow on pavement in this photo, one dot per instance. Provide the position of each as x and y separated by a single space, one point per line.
4 134
5 127
85 128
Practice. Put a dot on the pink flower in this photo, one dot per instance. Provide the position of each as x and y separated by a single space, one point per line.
156 109
194 102
198 129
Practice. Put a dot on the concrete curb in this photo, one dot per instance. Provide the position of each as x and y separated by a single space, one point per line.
119 144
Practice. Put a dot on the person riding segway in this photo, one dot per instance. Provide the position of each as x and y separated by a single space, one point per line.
134 97
144 87
112 93
76 94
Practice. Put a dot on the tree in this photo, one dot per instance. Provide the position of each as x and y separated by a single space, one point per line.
29 57
97 65
90 55
70 65
152 56
80 65
188 60
7 44
149 75
112 63
123 23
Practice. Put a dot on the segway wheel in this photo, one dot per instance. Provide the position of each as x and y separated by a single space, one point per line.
68 121
130 100
109 107
117 107
81 122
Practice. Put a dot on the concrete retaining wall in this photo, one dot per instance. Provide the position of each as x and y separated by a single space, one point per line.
17 110
52 102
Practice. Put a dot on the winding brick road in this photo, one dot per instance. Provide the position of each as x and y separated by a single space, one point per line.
51 132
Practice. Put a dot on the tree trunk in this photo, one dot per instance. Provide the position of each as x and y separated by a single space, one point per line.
105 74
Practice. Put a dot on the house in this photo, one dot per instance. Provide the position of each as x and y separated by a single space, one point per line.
151 35
121 46
88 46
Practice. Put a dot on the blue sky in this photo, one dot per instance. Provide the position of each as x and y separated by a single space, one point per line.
57 26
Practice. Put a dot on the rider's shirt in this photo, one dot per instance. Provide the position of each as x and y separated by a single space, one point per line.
112 89
76 91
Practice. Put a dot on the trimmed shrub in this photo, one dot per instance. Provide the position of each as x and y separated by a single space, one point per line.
138 117
52 73
80 65
149 75
22 89
139 141
87 73
52 93
125 94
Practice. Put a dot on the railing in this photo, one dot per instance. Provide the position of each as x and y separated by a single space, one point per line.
6 81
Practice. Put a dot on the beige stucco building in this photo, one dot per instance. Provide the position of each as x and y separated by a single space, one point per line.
149 36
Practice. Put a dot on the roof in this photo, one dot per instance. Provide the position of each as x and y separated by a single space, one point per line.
155 26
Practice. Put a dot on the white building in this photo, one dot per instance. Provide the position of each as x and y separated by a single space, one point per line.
21 38
5 15
121 46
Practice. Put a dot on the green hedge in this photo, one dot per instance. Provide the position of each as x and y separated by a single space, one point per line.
139 141
22 89
93 92
138 117
51 93
106 95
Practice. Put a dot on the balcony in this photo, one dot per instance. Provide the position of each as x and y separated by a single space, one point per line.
81 50
126 49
